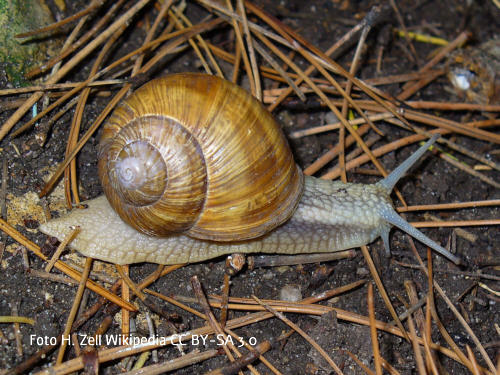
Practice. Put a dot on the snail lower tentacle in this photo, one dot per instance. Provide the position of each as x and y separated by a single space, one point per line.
218 178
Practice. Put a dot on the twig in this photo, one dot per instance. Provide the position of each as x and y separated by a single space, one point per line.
416 348
93 5
74 232
212 321
74 309
17 328
450 206
464 167
336 125
241 44
16 319
456 223
373 330
251 52
302 333
174 364
59 86
381 289
289 260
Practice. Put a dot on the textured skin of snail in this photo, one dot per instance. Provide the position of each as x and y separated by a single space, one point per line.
261 204
315 227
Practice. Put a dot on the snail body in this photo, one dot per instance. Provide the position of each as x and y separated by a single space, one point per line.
226 183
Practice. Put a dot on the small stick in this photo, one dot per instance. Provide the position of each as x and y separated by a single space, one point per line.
431 359
16 319
329 155
466 168
236 61
174 364
234 263
93 5
74 309
403 27
337 125
212 321
279 69
17 329
416 348
3 191
475 366
151 329
373 330
251 52
245 360
450 206
51 277
126 286
450 106
353 69
174 302
300 332
289 260
26 260
382 291
242 49
191 41
70 237
250 348
59 86
457 223
161 14
411 290
365 368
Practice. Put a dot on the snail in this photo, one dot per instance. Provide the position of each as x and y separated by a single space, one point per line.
193 167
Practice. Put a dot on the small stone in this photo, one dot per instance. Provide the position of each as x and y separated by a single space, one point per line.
362 271
290 293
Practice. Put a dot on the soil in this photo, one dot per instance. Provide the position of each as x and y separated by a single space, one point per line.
432 180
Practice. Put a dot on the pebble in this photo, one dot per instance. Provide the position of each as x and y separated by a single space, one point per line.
290 293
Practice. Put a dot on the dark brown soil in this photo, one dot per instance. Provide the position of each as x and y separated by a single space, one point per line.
433 180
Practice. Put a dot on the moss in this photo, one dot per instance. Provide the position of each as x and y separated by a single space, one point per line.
18 55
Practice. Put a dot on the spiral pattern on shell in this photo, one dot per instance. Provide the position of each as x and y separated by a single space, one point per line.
197 154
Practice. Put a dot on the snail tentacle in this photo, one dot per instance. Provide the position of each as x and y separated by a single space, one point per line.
393 218
391 180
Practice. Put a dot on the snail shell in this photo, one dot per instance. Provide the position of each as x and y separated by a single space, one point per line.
196 154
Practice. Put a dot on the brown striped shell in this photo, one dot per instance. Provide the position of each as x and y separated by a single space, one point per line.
194 153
